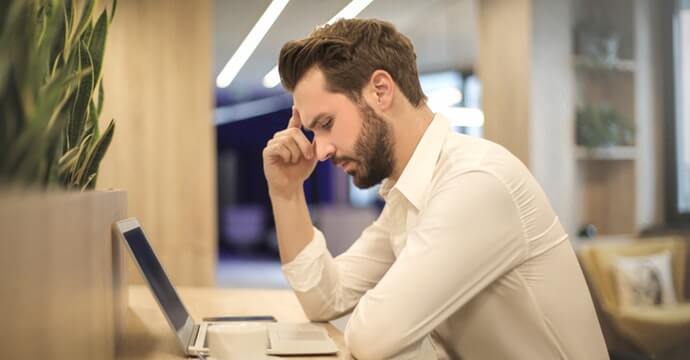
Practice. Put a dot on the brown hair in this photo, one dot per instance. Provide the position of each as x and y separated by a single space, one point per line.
348 52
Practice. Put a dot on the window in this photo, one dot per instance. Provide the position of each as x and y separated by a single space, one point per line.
678 110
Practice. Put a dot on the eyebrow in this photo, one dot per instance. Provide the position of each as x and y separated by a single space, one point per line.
317 118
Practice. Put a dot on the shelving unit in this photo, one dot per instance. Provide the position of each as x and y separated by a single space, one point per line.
622 65
606 153
606 181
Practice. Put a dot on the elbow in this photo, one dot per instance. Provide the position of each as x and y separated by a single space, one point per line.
318 311
318 308
319 316
371 342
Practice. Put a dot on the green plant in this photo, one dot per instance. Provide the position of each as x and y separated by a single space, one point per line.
601 125
51 93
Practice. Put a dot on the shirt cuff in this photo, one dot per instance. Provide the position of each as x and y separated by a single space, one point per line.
304 271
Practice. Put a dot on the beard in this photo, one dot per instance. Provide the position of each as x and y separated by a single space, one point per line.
373 150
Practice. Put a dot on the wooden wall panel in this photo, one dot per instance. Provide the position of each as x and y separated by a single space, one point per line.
607 195
158 87
504 67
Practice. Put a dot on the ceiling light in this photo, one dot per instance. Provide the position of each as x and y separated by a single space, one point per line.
250 43
272 79
351 10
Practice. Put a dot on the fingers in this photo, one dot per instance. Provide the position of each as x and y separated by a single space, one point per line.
295 152
278 150
295 120
290 145
295 134
296 144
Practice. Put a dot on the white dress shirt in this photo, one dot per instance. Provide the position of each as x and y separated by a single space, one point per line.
466 261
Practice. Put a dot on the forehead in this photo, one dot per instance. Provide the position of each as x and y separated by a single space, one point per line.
312 98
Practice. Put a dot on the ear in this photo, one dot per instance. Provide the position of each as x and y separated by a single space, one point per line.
382 89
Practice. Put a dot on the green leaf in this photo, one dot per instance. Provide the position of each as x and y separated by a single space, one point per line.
70 16
67 160
99 109
57 46
53 96
14 17
82 99
85 20
92 121
97 43
78 168
51 177
31 166
98 151
90 183
112 10
86 34
69 13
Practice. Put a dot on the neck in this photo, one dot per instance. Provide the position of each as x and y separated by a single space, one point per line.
409 127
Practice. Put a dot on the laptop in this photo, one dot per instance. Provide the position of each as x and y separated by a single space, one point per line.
282 339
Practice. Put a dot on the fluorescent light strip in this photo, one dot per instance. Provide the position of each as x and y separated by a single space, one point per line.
351 10
250 43
272 79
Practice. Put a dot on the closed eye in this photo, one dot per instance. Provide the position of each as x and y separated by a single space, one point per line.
328 124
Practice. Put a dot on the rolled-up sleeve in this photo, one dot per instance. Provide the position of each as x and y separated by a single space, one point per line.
328 287
468 235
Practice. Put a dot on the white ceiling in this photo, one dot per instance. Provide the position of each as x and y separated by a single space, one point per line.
444 32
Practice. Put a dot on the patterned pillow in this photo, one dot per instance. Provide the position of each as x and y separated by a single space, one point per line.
645 280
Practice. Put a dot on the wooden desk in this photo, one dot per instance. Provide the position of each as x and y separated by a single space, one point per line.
148 335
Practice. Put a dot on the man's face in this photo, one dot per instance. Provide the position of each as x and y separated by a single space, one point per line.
351 134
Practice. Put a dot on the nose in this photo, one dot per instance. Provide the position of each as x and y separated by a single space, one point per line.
324 149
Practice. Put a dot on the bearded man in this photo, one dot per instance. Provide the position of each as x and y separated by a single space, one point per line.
467 258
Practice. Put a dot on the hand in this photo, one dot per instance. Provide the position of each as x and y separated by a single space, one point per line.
289 158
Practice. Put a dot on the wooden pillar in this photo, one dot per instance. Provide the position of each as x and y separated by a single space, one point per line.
158 87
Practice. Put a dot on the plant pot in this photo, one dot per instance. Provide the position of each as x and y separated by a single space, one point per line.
62 275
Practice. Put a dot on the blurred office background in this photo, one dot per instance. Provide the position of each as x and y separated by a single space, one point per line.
526 74
593 96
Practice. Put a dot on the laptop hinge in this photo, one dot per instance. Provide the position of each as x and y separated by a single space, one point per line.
192 339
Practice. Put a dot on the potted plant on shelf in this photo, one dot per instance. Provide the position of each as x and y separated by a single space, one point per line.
57 251
601 126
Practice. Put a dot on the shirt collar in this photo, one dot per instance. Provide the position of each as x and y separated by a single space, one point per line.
417 174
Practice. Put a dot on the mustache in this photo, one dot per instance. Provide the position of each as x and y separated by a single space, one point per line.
341 159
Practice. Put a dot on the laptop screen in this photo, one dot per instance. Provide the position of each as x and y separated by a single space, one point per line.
161 286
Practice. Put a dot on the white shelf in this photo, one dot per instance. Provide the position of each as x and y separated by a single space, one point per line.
606 153
621 65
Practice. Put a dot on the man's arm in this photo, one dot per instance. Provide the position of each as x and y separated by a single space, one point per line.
326 287
289 158
294 228
469 235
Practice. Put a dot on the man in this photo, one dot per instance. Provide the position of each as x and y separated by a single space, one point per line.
467 259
